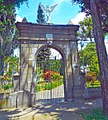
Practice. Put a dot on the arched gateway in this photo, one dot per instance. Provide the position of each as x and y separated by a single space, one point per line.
33 38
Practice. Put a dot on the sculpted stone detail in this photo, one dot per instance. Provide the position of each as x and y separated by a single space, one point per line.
48 11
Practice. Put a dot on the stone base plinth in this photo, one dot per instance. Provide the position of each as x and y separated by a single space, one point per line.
78 92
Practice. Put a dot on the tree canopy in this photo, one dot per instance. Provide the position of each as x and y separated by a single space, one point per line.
40 15
86 29
44 54
16 3
90 57
7 28
102 6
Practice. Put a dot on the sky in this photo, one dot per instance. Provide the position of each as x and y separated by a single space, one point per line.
62 13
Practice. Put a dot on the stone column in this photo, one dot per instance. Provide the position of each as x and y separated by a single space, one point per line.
78 87
24 56
26 72
26 79
68 75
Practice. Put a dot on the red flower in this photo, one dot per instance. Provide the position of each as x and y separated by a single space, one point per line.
5 76
48 74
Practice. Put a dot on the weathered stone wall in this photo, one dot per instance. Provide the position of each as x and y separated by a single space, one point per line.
15 100
91 93
22 98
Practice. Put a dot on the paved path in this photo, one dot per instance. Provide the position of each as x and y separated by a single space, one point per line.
58 111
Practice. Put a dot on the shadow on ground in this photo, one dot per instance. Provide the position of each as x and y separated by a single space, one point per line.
65 110
52 111
8 114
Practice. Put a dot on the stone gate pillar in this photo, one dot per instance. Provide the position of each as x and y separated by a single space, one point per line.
78 87
24 65
73 85
68 73
27 54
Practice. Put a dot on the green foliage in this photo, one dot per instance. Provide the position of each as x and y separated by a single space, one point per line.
86 29
95 114
89 51
44 54
16 3
56 76
40 16
48 74
102 10
39 72
48 85
56 65
8 30
51 64
95 84
7 86
13 63
11 67
94 65
90 57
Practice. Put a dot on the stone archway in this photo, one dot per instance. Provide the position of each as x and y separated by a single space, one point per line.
33 37
56 94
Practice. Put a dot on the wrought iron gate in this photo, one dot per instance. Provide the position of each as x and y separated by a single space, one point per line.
49 81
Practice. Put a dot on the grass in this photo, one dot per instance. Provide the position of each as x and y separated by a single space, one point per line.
95 114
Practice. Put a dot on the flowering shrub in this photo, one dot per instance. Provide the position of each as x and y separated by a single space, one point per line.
91 80
47 75
55 77
6 77
90 77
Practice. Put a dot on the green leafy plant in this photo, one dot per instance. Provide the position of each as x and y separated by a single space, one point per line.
88 56
56 76
7 86
95 114
48 85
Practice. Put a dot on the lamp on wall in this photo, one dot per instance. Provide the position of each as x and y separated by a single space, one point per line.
49 38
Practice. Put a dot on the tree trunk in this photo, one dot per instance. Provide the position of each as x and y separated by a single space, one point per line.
102 54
